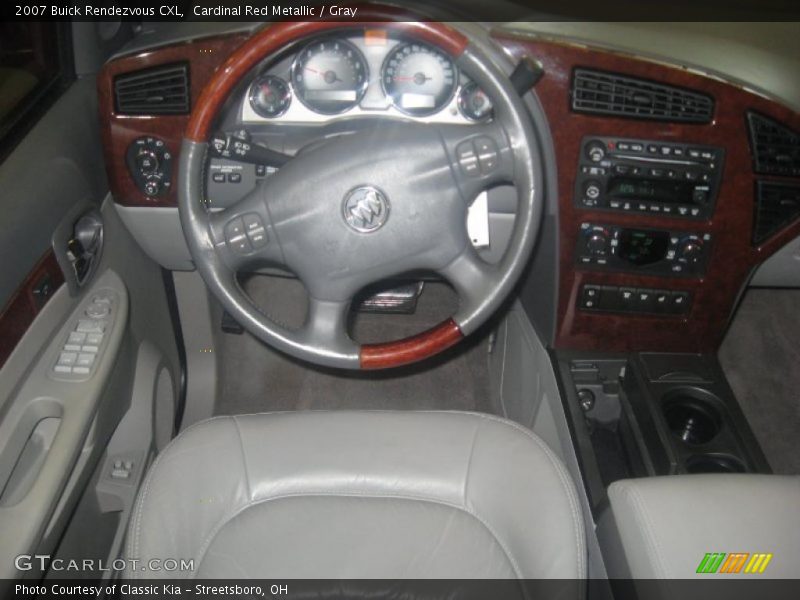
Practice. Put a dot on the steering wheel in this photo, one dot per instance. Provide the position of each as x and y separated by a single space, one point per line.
364 207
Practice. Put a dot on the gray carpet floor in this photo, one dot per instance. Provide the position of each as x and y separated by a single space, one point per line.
761 358
256 378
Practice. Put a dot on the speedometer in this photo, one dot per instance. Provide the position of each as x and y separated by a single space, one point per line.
330 76
419 79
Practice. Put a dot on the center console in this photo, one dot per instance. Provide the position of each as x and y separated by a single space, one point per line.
649 414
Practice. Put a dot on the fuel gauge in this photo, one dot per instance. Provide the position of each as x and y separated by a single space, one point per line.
270 96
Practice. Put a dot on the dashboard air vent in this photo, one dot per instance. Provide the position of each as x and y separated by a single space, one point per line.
618 95
776 148
162 90
777 205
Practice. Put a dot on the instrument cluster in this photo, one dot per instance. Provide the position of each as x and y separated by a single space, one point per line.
370 73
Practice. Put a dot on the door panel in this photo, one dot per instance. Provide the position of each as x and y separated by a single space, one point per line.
64 396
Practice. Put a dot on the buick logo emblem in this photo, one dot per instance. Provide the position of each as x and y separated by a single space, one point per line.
365 209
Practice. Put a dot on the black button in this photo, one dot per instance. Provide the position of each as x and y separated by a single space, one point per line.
626 299
235 177
637 147
486 150
218 177
467 159
622 169
645 300
662 301
235 236
657 172
254 228
590 298
261 170
679 303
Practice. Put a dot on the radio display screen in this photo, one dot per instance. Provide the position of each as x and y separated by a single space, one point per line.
640 247
652 190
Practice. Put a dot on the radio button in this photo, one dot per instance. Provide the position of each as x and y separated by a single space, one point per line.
652 149
637 147
694 153
657 172
677 151
596 151
666 150
592 190
624 146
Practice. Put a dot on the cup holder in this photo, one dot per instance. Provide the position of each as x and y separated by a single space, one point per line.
691 417
714 463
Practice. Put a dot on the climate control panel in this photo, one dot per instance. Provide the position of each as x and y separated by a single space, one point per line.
649 251
150 164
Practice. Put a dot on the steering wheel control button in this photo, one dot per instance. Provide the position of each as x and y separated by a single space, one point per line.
468 159
254 229
487 152
235 236
365 209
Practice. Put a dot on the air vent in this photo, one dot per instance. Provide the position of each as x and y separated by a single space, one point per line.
160 91
777 205
618 95
776 148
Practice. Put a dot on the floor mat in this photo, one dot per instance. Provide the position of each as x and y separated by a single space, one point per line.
761 358
256 378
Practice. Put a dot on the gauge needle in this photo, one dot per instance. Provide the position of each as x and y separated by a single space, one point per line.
329 76
419 78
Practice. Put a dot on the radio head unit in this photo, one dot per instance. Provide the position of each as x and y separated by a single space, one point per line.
674 179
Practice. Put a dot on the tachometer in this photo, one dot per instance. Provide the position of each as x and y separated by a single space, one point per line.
330 76
418 79
270 96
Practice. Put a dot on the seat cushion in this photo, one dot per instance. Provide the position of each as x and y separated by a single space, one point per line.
665 526
360 495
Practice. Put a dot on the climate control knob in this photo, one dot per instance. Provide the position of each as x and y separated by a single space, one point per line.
597 243
690 250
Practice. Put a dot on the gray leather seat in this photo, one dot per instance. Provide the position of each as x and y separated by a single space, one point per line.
360 495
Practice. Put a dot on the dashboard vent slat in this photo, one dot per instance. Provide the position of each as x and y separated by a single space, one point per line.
776 148
777 206
162 90
618 95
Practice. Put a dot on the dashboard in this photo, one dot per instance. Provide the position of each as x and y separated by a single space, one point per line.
371 73
670 186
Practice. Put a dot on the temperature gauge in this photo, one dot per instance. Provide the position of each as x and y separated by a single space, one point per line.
270 96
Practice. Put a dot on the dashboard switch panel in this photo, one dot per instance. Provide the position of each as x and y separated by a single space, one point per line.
663 178
609 298
649 251
150 164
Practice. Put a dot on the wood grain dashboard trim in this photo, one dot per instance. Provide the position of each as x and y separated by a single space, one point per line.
20 311
733 259
119 131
